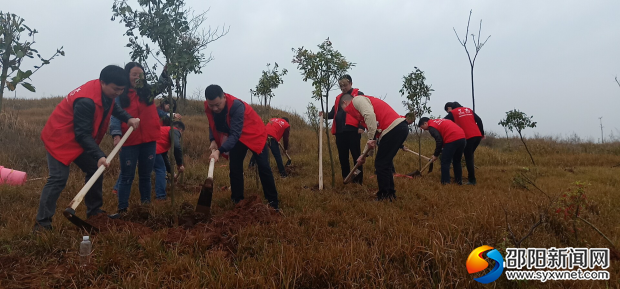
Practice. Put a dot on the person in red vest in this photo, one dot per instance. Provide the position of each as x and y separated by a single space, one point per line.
162 163
140 147
450 138
277 129
72 134
347 130
234 127
471 124
386 129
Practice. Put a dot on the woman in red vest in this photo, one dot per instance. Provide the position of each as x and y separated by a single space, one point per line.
386 129
347 130
450 138
72 134
140 148
471 124
234 127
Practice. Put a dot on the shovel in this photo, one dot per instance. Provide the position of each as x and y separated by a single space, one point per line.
430 168
206 193
355 171
418 173
288 163
69 212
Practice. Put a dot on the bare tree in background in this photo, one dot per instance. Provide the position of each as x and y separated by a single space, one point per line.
618 82
600 119
478 45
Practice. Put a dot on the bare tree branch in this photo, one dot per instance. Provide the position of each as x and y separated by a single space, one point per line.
598 231
618 82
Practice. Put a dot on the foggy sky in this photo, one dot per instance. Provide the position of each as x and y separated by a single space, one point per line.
555 60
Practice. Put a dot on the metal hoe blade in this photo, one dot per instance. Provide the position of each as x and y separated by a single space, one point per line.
204 200
70 215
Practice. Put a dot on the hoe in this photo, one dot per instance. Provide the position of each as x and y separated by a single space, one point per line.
69 212
288 163
206 193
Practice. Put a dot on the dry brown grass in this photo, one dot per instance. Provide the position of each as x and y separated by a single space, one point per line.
338 237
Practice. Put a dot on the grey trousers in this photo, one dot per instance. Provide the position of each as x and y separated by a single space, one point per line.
56 182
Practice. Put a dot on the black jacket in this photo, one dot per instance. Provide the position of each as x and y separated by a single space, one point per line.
83 111
341 118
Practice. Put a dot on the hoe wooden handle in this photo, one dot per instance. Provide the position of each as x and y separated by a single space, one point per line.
80 195
211 166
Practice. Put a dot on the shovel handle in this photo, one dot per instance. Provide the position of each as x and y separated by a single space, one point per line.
357 165
430 161
80 195
211 166
289 158
410 151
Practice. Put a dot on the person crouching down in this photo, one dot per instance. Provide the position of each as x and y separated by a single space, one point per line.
450 138
162 163
236 121
377 116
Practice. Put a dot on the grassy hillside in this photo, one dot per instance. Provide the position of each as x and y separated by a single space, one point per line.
338 237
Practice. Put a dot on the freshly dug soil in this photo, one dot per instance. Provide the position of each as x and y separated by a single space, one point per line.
220 233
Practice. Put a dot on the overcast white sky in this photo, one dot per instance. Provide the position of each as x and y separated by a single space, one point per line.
555 60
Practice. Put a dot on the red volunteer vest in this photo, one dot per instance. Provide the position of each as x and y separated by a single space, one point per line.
58 134
148 130
448 129
253 134
276 127
464 117
350 120
384 112
163 143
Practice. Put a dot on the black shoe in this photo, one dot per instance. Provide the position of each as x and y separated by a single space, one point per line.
120 213
88 216
471 183
283 176
38 228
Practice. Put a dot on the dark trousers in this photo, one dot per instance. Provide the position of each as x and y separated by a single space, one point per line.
56 182
384 160
452 154
470 148
349 141
236 157
275 150
142 156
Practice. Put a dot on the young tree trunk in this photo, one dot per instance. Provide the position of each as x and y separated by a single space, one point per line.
5 70
507 139
329 146
185 86
419 133
171 151
473 100
528 150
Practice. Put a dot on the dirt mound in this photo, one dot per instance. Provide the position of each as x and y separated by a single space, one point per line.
221 233
105 224
293 170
